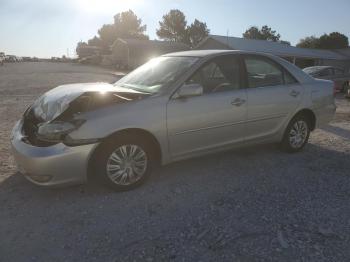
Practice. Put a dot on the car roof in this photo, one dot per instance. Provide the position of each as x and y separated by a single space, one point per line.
207 54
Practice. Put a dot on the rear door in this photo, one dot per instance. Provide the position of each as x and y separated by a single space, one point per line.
273 94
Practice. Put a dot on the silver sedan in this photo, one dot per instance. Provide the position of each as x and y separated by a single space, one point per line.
174 107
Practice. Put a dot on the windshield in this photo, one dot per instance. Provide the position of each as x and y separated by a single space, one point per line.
157 73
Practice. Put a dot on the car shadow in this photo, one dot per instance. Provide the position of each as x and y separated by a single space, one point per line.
244 191
220 168
337 131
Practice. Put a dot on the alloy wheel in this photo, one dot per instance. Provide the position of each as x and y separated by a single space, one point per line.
298 134
126 165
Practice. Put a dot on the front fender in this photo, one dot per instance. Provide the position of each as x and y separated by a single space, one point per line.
148 114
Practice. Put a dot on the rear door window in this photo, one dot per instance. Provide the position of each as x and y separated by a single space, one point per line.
262 71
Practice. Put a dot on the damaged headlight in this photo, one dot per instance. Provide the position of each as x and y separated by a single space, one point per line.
57 130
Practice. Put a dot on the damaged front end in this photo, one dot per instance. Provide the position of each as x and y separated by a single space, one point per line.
58 112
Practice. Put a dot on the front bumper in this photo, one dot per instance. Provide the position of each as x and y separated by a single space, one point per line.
53 165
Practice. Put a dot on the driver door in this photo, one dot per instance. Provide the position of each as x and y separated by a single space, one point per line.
214 119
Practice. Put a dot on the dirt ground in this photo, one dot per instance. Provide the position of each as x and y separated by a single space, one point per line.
253 204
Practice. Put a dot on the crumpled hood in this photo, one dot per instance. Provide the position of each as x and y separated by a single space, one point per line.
54 102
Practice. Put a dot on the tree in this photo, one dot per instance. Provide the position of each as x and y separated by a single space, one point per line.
252 33
127 25
265 33
80 47
95 41
309 42
173 27
196 32
107 34
334 40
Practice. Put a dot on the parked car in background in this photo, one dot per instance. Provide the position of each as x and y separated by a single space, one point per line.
10 59
55 59
337 75
174 107
91 60
347 95
27 59
347 92
2 58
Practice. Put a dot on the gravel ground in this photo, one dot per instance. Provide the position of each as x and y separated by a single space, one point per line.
255 204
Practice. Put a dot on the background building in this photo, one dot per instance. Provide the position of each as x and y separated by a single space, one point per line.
302 57
130 53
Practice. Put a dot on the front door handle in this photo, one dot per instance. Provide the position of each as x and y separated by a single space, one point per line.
294 93
238 102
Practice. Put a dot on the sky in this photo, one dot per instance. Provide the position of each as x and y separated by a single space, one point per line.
46 28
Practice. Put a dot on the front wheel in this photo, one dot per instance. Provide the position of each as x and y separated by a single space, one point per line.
124 164
297 134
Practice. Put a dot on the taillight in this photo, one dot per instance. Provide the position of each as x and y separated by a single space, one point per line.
334 88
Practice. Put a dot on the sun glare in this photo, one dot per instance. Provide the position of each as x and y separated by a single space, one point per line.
106 6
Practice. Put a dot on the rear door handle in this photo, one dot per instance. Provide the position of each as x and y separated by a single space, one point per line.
238 102
294 93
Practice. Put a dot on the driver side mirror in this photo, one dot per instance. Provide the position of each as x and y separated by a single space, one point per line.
188 90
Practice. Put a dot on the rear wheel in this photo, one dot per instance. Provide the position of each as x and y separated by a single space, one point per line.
297 134
124 163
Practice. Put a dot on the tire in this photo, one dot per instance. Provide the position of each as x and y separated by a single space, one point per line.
296 134
119 162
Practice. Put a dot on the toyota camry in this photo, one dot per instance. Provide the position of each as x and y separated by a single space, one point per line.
174 107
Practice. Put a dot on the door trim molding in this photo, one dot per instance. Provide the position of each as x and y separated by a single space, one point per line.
209 127
228 124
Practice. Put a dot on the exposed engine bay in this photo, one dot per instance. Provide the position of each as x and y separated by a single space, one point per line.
61 106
